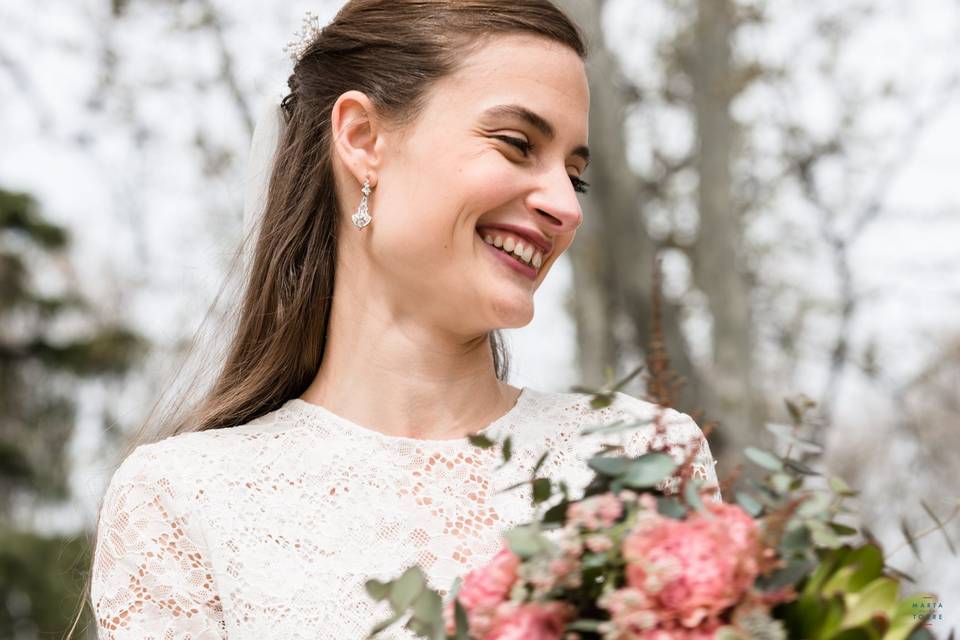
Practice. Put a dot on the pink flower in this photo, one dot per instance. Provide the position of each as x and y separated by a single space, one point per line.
595 512
483 590
689 571
488 586
533 621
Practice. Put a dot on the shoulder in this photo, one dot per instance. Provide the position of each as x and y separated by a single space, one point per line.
570 415
186 456
574 410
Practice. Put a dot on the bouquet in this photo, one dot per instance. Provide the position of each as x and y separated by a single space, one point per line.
646 553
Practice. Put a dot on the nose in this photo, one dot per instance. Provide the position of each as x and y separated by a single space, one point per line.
557 202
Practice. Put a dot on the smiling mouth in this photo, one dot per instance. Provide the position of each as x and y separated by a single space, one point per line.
510 259
519 249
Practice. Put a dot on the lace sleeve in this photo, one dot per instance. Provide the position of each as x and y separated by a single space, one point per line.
151 578
683 437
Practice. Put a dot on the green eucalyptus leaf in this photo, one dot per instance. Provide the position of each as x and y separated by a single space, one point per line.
786 434
541 490
527 541
841 488
823 536
507 451
671 508
557 514
427 618
460 619
480 440
749 503
377 590
763 459
609 466
691 495
796 538
815 504
781 482
593 560
601 400
781 431
798 467
791 574
406 589
806 446
842 529
648 470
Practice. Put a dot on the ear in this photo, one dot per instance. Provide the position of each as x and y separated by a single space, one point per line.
356 133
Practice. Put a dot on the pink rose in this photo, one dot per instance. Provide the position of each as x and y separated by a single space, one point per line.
482 591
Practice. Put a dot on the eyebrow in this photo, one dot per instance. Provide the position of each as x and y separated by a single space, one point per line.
519 112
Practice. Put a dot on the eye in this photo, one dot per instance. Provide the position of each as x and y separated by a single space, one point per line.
580 186
521 144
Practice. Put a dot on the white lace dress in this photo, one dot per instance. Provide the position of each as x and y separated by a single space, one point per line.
270 529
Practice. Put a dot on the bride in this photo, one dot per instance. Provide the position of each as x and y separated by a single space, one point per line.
426 180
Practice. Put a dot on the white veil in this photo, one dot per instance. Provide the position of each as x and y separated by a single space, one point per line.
267 135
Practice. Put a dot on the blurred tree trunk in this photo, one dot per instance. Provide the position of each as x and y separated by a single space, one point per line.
614 253
613 256
717 256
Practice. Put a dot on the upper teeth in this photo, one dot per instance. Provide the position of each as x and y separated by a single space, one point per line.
511 245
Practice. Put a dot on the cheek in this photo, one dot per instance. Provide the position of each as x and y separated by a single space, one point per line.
461 191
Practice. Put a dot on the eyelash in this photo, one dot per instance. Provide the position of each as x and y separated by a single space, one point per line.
580 186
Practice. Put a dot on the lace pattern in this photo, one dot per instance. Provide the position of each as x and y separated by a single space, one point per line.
270 529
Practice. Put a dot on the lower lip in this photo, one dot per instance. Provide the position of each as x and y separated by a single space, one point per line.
513 263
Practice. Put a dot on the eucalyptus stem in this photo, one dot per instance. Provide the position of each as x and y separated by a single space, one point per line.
926 532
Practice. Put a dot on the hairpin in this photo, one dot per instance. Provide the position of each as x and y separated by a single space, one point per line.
309 31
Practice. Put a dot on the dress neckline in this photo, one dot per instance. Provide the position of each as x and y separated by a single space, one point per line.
310 409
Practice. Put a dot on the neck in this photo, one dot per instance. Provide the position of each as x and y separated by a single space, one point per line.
386 369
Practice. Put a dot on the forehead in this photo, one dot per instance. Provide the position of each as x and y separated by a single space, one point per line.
542 75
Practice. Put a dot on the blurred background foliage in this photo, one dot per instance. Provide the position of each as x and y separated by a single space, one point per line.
50 336
792 165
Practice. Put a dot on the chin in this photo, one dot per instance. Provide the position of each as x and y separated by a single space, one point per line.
513 312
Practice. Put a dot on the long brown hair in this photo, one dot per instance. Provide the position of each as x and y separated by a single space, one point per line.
393 51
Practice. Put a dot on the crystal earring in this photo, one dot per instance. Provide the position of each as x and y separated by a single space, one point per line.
362 217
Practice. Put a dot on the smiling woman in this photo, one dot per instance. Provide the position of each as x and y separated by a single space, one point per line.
332 446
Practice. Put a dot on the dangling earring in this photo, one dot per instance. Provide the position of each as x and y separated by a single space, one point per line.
362 217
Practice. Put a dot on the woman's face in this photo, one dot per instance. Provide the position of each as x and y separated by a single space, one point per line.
459 177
